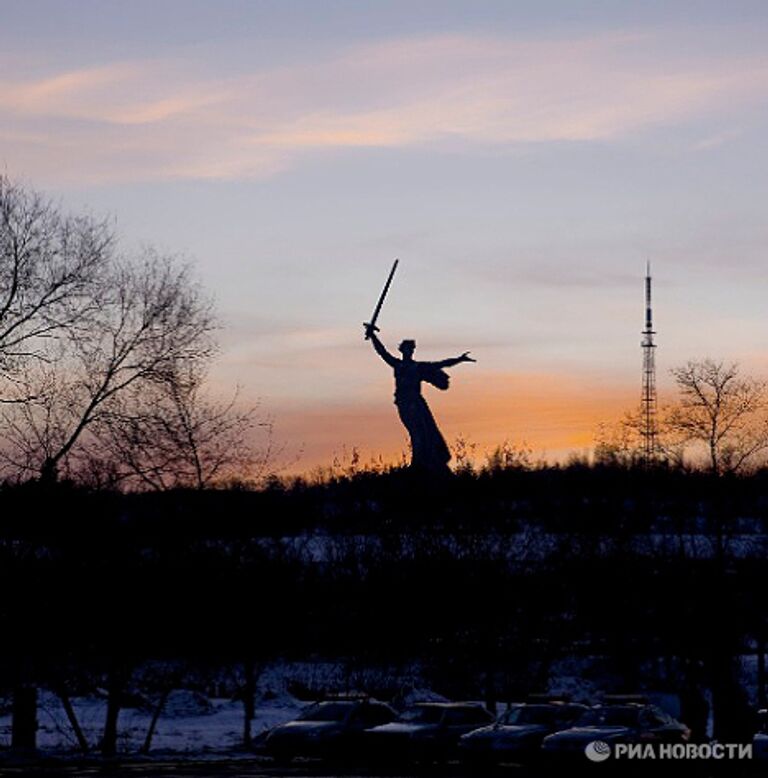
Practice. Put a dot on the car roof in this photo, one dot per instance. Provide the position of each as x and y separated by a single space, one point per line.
636 706
336 701
547 698
549 703
448 705
603 706
351 698
625 699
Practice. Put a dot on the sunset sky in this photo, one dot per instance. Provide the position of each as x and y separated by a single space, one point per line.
522 159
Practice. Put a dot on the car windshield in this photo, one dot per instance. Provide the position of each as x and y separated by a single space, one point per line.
326 711
425 714
610 716
529 714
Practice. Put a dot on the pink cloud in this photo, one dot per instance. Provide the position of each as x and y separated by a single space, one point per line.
164 119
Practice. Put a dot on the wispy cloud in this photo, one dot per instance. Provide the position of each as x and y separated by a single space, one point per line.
167 119
718 139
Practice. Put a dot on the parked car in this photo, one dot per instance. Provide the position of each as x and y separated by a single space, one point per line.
331 729
619 721
427 731
517 733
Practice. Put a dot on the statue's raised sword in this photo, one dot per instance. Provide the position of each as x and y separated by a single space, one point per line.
372 324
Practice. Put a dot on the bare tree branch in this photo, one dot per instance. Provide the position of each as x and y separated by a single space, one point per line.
49 265
722 411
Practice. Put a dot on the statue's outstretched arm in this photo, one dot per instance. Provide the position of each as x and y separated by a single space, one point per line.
379 347
450 362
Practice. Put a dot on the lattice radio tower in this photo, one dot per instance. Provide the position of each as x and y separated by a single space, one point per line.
649 403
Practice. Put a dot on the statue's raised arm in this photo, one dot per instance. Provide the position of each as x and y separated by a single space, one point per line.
378 346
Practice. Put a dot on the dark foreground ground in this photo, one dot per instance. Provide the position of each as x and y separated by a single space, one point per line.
240 768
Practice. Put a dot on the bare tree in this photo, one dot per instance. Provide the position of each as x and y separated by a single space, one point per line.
509 456
35 419
622 443
168 433
103 359
619 443
724 412
49 265
151 319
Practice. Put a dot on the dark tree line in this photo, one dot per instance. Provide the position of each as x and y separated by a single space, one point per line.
488 580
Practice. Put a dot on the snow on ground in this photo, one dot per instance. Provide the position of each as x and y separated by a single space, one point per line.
571 678
215 728
193 723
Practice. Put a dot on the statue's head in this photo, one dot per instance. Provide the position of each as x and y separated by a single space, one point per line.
407 347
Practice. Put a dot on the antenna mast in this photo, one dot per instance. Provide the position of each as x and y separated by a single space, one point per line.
649 403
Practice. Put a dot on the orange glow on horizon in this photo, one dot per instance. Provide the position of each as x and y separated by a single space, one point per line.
552 414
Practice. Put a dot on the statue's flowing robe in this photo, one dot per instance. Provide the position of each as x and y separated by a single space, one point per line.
428 447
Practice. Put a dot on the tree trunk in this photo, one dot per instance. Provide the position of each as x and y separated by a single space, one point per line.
155 717
490 692
761 698
49 472
249 702
24 726
72 718
114 692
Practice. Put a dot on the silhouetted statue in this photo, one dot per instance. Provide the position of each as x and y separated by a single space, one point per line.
428 447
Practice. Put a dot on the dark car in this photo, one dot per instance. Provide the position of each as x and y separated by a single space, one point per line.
631 722
518 732
331 729
427 731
